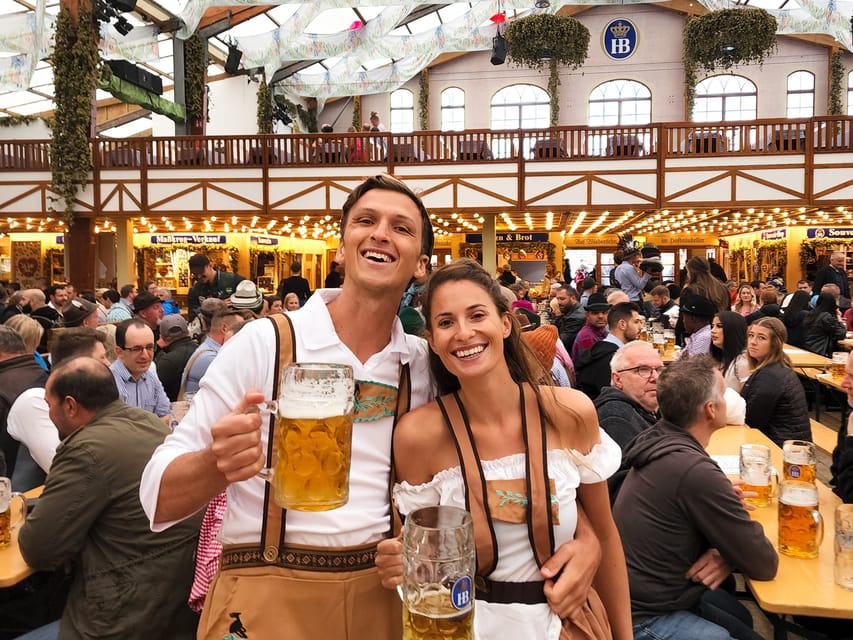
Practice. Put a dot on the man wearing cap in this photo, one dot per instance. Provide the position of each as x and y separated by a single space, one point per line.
571 318
176 348
209 283
596 325
136 384
386 240
80 313
629 277
593 365
248 297
149 309
697 312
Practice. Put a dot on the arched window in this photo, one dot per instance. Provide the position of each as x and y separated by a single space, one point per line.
618 102
402 111
452 109
800 102
520 106
850 94
725 97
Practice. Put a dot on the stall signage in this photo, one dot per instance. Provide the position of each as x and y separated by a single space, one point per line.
830 232
774 234
60 239
619 39
265 241
508 237
187 238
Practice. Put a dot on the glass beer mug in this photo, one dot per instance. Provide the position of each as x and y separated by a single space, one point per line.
844 546
839 364
7 521
800 524
439 565
756 473
313 437
799 461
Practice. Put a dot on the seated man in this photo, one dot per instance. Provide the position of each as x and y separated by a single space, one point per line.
630 404
128 582
595 328
682 523
593 366
137 385
661 307
697 312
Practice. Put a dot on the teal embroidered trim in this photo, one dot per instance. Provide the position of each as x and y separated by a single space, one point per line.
370 408
512 497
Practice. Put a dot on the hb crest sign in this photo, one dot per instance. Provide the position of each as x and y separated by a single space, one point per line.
619 39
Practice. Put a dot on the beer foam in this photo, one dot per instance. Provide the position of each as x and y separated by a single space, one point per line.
799 498
328 408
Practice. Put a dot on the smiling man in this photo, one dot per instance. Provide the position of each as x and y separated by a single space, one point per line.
386 241
137 385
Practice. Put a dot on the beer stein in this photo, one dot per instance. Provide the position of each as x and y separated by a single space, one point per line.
839 364
439 564
178 410
756 473
800 524
659 342
799 461
669 339
7 520
844 546
313 437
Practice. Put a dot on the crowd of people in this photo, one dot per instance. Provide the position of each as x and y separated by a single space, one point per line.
627 528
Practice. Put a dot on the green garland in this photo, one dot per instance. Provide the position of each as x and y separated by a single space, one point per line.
264 108
423 99
722 39
553 84
533 40
75 63
808 249
690 80
14 121
469 249
836 84
195 65
356 113
163 251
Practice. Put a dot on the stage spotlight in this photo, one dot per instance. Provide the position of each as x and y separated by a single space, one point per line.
123 26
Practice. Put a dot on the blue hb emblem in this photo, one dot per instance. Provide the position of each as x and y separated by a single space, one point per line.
461 594
619 39
794 471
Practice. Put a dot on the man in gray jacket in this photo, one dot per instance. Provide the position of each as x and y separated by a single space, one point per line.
683 526
127 581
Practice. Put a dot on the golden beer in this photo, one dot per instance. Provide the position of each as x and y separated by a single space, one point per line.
800 524
436 619
312 472
801 472
755 473
837 370
799 461
5 528
763 491
670 343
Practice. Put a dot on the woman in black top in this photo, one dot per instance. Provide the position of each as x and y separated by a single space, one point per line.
793 315
823 326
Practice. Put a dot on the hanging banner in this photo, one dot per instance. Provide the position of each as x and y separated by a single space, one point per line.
774 234
187 238
842 233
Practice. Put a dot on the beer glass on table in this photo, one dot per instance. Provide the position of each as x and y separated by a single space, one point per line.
659 343
800 524
313 437
799 461
756 473
8 521
844 546
439 564
839 364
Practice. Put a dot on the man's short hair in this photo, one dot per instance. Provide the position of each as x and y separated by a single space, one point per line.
805 282
620 311
390 183
74 342
86 380
11 341
221 317
121 330
769 296
619 361
52 289
569 290
126 290
684 387
296 267
832 288
660 290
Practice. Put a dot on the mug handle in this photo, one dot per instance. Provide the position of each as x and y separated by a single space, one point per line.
272 406
819 521
22 511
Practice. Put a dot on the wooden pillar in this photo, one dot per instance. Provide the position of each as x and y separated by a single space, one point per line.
125 254
490 250
80 254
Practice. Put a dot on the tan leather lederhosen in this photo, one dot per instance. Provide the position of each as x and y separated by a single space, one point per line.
589 623
311 592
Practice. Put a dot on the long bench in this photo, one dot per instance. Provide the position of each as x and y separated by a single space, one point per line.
824 437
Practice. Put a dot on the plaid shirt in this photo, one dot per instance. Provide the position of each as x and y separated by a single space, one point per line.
208 552
586 337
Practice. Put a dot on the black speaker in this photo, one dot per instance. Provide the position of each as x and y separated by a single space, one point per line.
232 64
123 6
137 76
498 49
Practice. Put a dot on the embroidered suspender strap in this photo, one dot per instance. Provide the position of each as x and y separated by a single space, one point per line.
475 500
539 516
187 370
272 531
404 403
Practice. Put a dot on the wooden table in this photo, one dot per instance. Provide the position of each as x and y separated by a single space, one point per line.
847 343
802 358
802 587
13 569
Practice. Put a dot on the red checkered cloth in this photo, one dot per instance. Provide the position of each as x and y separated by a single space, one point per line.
208 552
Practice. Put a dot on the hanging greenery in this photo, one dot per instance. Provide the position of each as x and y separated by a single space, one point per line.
534 40
773 252
75 63
836 84
14 121
423 99
722 39
812 248
264 108
690 79
553 85
307 116
147 255
356 113
195 65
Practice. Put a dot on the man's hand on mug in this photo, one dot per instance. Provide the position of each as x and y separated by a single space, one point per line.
389 561
237 440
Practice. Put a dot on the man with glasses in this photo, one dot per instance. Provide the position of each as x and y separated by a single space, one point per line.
630 404
137 385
